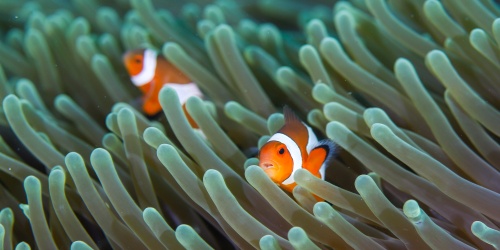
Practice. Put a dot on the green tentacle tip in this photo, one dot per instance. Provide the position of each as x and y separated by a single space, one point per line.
437 57
212 176
321 92
110 121
154 137
31 182
251 162
344 16
486 234
224 32
36 17
172 48
372 115
45 138
165 149
126 120
184 232
7 214
22 246
269 35
99 61
33 39
268 242
188 237
56 173
323 211
275 122
214 13
155 221
24 85
316 25
299 239
168 95
80 245
308 53
379 130
9 101
411 209
107 17
402 65
78 27
57 168
26 210
247 25
72 158
284 74
204 27
363 182
496 29
62 101
479 228
302 176
254 171
329 44
100 158
233 108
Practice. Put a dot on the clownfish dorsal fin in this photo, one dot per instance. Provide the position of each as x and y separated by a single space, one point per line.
293 126
290 116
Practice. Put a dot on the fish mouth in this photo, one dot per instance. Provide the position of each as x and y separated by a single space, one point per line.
266 165
270 168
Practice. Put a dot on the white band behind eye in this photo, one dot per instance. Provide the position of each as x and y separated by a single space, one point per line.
294 150
148 69
312 141
311 144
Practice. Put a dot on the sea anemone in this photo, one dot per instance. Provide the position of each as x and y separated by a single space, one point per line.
407 89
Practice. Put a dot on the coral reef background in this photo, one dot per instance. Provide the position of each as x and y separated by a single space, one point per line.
409 89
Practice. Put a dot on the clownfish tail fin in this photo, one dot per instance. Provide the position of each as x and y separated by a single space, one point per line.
290 116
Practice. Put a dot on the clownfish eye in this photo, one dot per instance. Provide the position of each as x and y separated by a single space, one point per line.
281 151
137 60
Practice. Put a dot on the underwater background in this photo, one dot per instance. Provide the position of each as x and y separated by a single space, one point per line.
408 89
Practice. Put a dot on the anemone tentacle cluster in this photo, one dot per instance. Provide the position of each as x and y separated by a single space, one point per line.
408 89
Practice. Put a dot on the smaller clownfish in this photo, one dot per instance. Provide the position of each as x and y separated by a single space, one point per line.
294 146
150 72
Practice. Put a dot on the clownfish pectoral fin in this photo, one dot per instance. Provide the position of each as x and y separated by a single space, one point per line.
320 156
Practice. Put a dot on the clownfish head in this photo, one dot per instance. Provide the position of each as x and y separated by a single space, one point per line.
140 65
276 161
133 61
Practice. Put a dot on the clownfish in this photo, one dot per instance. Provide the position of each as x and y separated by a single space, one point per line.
293 147
150 71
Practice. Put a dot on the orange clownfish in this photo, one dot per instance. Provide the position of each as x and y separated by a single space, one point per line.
150 71
294 146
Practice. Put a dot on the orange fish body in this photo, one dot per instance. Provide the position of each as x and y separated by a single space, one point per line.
150 72
294 146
